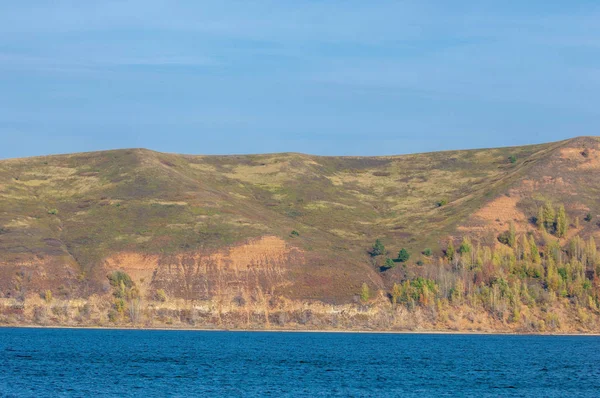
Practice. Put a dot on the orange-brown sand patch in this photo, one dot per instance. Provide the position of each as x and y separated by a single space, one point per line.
586 158
497 215
557 183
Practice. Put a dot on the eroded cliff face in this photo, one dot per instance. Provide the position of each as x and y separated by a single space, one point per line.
33 276
259 265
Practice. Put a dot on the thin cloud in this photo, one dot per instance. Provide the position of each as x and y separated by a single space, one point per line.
164 61
69 64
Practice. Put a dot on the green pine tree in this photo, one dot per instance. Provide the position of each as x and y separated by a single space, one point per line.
378 249
403 255
389 263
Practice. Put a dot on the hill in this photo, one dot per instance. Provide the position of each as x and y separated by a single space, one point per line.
284 240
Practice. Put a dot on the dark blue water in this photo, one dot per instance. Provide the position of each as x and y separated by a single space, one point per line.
68 362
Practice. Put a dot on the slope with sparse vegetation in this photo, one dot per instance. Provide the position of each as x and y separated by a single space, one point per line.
491 239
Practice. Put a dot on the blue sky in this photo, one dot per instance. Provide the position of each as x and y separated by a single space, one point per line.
320 77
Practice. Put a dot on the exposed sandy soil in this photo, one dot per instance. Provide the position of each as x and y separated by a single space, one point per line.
264 258
589 161
496 216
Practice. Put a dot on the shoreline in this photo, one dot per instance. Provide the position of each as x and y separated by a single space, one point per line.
349 331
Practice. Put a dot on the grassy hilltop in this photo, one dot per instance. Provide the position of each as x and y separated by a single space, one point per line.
259 234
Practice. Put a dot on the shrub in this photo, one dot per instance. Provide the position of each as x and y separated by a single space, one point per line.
585 153
40 314
239 300
113 315
442 202
427 252
85 310
53 211
160 295
512 158
588 217
134 310
119 276
59 310
119 305
122 285
295 233
552 320
48 296
504 238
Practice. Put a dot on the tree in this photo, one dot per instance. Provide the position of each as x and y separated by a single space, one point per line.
457 292
378 249
549 216
396 293
535 253
512 238
389 263
540 221
134 309
525 253
403 255
553 278
465 246
561 222
364 293
450 251
591 252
